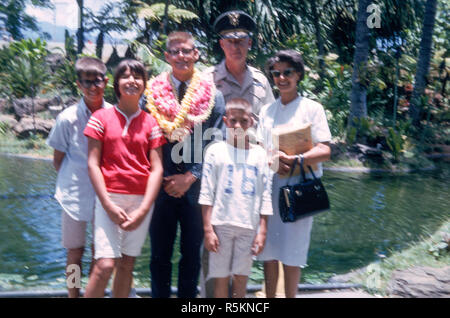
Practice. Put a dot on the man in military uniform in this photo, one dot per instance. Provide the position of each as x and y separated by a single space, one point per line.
235 78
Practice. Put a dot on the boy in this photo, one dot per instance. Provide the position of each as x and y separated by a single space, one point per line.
236 199
74 190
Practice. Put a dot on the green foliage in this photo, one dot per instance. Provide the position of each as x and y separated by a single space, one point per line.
65 76
395 142
27 72
4 128
439 246
156 11
109 94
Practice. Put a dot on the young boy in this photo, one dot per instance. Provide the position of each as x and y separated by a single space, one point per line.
74 190
236 199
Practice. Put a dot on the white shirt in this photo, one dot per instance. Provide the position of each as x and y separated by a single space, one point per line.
74 190
298 112
236 183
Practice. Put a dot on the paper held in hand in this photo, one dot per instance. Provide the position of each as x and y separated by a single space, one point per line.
293 140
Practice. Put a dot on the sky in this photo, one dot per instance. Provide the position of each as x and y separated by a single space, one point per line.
65 12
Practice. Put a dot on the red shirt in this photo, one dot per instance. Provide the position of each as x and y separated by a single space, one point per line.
125 162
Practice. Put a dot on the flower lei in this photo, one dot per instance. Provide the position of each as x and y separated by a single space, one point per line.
196 106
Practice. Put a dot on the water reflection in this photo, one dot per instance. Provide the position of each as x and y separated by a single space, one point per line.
370 215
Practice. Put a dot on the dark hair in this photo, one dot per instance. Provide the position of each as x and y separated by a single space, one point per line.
134 67
292 57
90 66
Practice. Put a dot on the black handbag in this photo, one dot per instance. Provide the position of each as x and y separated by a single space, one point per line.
306 198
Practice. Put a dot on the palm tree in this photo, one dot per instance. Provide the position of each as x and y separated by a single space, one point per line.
14 18
105 22
80 31
420 80
158 16
358 107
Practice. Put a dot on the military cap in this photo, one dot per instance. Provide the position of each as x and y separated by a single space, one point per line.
234 24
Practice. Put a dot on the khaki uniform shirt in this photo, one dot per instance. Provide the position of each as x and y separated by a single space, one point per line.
256 88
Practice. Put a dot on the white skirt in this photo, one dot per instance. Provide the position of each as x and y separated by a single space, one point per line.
286 242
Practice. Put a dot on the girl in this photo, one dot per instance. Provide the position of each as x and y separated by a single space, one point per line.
125 167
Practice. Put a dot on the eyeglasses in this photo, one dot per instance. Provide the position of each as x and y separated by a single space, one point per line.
98 82
177 51
286 73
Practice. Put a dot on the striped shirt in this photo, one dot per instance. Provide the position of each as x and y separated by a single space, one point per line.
126 144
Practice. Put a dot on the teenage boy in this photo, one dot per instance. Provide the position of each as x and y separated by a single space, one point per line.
236 199
185 105
74 190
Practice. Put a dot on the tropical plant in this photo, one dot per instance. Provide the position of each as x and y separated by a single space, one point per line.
27 72
159 18
395 142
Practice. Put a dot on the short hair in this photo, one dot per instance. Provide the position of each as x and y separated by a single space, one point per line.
179 36
239 103
292 57
134 66
90 66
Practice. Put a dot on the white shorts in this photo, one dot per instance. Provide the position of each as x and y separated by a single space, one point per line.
110 240
73 231
234 255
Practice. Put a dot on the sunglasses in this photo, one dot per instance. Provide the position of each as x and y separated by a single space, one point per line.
98 82
286 73
177 51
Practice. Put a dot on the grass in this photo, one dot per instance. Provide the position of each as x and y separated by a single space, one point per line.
33 146
431 251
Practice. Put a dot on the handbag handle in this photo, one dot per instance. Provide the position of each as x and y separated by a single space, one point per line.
302 170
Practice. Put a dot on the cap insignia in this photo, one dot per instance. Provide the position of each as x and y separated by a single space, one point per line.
234 18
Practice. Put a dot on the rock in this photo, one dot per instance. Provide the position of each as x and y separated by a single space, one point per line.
4 105
69 101
420 282
10 120
369 151
55 60
23 106
25 126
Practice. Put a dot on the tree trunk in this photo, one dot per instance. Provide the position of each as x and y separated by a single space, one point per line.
358 107
318 30
166 15
80 32
420 80
99 44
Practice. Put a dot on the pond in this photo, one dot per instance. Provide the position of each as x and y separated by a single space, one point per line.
371 215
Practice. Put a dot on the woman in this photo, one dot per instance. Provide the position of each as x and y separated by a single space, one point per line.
125 167
289 242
